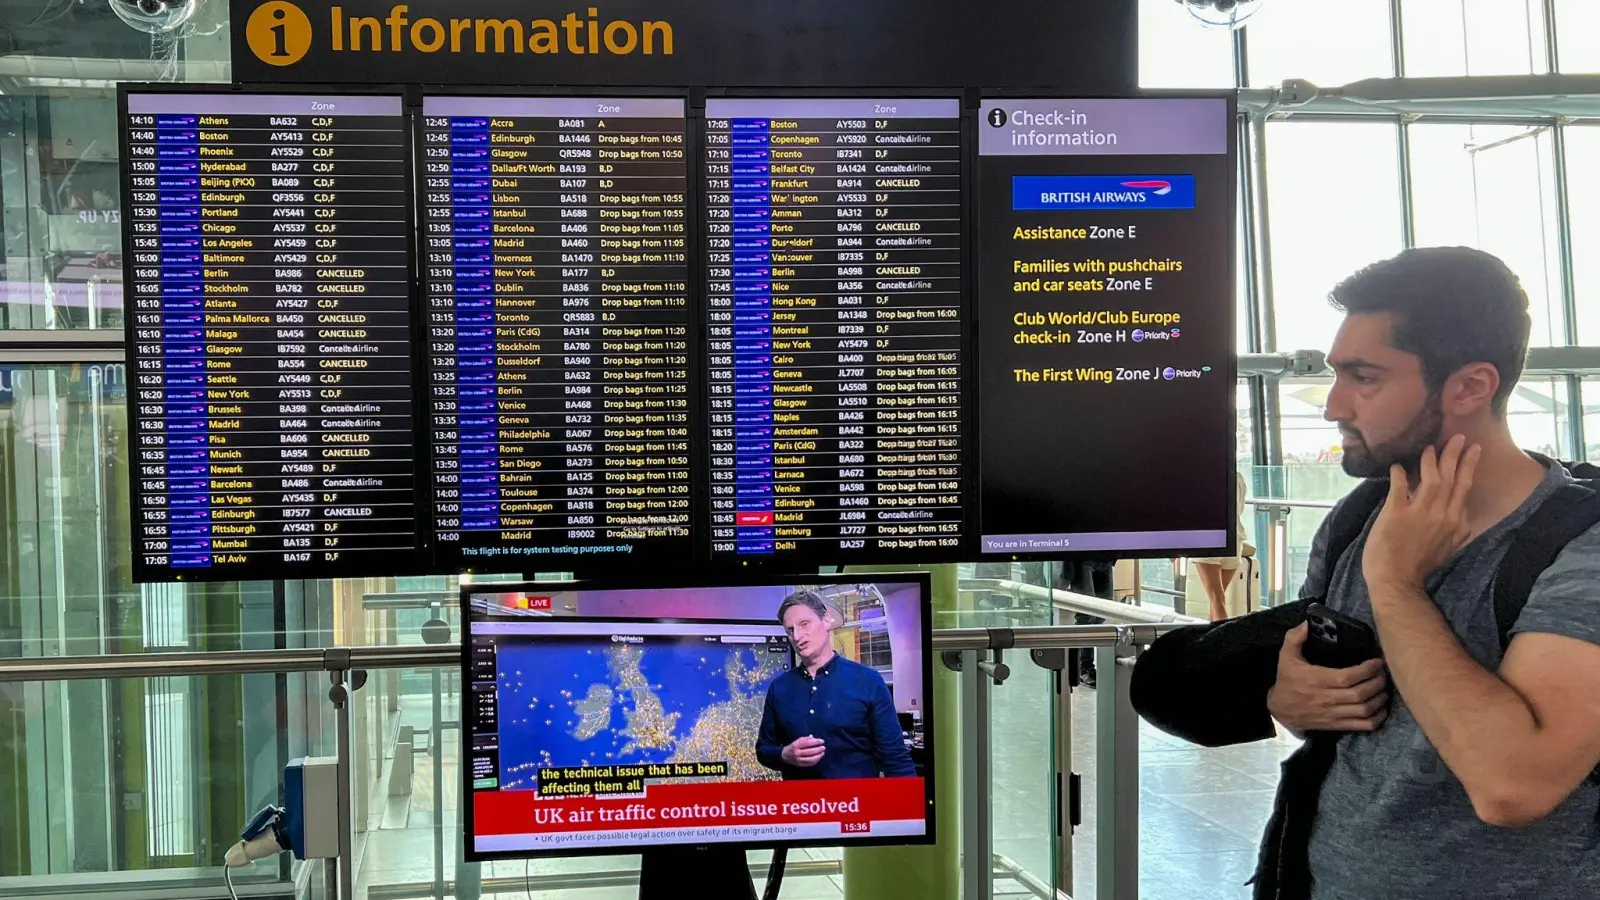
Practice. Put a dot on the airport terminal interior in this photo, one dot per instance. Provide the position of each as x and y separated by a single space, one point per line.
1355 129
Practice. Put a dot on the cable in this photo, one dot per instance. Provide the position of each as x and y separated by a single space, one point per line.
527 878
227 878
780 856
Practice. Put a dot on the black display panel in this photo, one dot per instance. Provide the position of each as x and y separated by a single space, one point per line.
628 714
1106 330
756 44
835 333
270 335
556 271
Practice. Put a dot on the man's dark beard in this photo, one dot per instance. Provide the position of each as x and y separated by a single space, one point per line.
1405 448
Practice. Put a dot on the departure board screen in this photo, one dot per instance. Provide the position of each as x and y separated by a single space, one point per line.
270 335
835 333
1106 329
558 327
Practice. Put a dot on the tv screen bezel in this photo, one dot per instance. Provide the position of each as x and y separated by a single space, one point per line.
922 579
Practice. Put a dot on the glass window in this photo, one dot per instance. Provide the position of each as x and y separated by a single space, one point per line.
1473 37
1578 35
1177 51
59 206
1311 471
1311 444
59 187
1334 199
1245 452
1538 414
1583 198
1325 44
1241 272
1493 187
179 754
1591 418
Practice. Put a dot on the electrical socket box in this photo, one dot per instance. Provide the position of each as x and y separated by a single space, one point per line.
311 801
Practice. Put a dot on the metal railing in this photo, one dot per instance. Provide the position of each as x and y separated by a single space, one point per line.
1113 612
976 654
1273 553
347 659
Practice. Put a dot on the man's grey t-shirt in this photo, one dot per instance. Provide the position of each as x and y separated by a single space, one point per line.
1394 823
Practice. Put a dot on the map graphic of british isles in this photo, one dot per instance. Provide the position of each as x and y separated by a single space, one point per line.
599 703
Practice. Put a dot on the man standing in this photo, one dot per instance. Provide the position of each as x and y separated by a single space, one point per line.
829 717
1478 566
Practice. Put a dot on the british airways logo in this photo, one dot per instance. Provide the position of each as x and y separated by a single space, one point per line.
1102 192
1154 186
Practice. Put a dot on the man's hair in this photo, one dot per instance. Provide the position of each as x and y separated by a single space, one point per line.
809 599
1452 307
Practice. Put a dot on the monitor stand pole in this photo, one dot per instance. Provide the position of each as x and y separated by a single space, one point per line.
696 873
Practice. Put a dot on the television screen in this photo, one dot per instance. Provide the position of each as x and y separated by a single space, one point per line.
609 717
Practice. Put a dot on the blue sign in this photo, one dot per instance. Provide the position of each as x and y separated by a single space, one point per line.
1102 192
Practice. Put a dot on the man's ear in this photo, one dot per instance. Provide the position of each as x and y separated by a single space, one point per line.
1471 389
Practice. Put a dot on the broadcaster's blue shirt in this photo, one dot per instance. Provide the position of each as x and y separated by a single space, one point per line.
848 706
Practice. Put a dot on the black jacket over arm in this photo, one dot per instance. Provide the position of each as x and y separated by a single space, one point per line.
1208 683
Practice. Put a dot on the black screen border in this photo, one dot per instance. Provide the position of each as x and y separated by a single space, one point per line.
450 562
968 100
415 562
1231 360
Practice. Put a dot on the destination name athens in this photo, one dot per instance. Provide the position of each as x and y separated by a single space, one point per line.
574 33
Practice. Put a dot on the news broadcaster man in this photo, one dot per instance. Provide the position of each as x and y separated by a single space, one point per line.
1462 763
829 717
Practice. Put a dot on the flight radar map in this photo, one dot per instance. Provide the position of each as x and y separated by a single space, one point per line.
613 699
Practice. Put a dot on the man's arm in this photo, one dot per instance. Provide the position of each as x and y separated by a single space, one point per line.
888 741
769 748
1520 741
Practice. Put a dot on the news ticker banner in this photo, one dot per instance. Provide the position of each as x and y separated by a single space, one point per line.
706 812
765 43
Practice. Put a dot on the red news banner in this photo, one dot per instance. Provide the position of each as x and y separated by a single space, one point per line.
858 806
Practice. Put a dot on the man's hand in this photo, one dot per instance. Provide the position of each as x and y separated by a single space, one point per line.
1419 529
804 752
1314 698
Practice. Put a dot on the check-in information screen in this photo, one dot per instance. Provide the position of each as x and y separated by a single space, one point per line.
1106 333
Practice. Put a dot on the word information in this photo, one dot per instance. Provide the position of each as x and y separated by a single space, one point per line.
558 327
834 267
1106 332
271 246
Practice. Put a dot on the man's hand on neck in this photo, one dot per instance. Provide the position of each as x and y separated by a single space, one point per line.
1506 476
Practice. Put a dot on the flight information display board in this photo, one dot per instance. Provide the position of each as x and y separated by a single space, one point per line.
270 335
835 332
556 272
1106 301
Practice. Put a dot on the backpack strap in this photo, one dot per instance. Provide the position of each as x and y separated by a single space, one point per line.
1347 520
1558 521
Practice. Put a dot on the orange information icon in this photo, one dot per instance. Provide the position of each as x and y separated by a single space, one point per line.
279 33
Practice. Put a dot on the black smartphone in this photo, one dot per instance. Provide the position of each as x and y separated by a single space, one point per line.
1336 641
